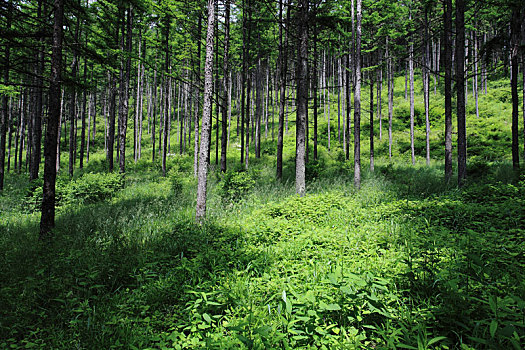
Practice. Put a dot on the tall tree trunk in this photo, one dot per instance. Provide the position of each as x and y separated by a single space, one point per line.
390 99
302 98
226 85
83 121
447 55
515 39
243 74
371 122
258 108
200 211
197 92
166 94
283 62
357 100
314 85
37 118
73 107
5 100
411 73
426 83
460 88
379 102
47 220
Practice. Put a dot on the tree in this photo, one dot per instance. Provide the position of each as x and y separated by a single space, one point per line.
47 220
447 55
225 84
4 112
302 98
515 27
357 100
206 117
460 88
124 87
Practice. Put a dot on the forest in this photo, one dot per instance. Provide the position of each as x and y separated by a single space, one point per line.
274 174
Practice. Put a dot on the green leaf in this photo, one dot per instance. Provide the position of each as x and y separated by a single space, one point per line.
435 340
493 328
206 317
333 307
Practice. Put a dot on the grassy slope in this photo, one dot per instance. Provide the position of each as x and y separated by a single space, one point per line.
406 260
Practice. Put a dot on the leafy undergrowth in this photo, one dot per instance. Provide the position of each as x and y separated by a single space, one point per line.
406 262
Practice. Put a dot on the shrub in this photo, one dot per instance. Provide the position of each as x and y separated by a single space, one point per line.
87 189
235 185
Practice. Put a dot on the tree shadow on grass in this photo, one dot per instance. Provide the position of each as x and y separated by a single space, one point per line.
465 263
113 272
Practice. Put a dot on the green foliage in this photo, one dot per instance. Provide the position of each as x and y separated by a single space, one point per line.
235 185
89 188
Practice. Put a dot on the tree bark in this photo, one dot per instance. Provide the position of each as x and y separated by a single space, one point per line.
357 100
226 85
390 99
314 85
283 59
411 73
515 42
302 98
5 100
47 220
37 118
166 94
371 122
200 212
460 88
447 55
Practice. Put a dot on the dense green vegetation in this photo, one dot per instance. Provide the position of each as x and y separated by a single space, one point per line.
405 262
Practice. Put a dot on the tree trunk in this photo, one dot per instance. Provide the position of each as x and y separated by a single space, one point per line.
47 220
196 111
411 73
200 212
447 55
515 42
357 100
37 118
283 62
226 85
390 99
426 83
314 85
166 95
371 122
302 98
5 100
258 109
460 88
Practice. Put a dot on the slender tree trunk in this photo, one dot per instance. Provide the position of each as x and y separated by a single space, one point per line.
411 73
5 100
200 212
197 92
371 122
515 38
283 62
475 77
426 83
258 109
447 19
379 102
37 118
226 85
314 85
357 100
460 88
166 94
302 98
390 99
47 220
83 121
243 75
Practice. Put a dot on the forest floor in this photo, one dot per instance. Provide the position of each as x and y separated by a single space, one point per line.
407 261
